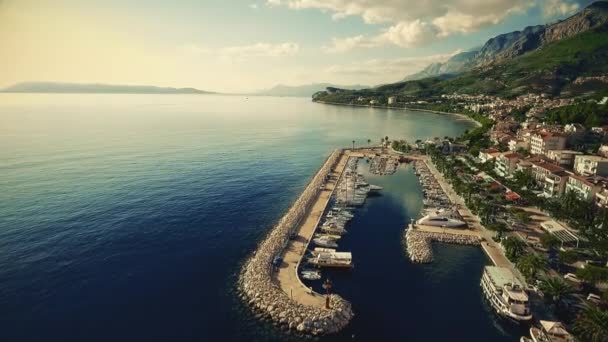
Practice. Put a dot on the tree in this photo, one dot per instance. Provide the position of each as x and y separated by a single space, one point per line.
514 247
593 274
592 324
369 141
531 264
353 144
549 240
555 289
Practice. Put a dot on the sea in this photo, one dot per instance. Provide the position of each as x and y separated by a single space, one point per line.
128 217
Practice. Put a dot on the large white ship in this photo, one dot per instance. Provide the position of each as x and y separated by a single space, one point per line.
505 293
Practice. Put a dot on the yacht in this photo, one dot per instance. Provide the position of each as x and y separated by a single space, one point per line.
335 259
324 242
311 274
441 221
505 293
375 188
550 331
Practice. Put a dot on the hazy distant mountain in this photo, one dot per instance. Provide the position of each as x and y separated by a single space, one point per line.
53 87
305 90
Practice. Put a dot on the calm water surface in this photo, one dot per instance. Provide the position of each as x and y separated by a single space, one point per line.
126 217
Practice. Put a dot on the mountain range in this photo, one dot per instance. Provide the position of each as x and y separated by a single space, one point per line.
507 46
568 58
55 87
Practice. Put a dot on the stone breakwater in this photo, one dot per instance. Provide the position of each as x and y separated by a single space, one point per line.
264 296
419 243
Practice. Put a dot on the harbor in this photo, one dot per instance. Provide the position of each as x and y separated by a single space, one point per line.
312 245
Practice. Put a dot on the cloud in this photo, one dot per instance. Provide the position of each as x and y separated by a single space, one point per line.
411 22
244 52
553 8
375 71
253 6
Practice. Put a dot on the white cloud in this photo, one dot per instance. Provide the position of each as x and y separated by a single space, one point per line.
375 71
412 22
553 8
253 6
244 52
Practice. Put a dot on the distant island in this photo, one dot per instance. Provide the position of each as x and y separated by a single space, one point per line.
55 87
305 90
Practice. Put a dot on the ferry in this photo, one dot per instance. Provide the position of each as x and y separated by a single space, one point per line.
441 221
505 293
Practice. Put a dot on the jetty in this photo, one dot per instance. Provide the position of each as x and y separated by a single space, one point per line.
269 280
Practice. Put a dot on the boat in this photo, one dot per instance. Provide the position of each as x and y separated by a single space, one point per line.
375 188
441 221
333 231
335 259
311 274
328 236
319 250
550 331
323 242
505 293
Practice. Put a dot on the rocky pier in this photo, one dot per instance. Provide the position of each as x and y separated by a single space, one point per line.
266 297
419 243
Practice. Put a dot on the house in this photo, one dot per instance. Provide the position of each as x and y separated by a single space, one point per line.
601 198
591 165
372 102
584 187
506 163
550 177
574 128
564 158
392 100
516 144
600 130
564 235
488 154
543 141
603 151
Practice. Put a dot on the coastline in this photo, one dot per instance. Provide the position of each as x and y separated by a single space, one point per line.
463 116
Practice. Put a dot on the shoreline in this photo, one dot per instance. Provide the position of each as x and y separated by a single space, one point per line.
464 116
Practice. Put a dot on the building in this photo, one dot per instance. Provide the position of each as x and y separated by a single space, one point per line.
506 163
392 100
488 154
584 187
601 198
603 151
516 144
552 178
564 235
563 158
591 166
542 142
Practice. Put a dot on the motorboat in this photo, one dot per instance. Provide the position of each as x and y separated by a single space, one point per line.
334 259
441 221
550 331
324 242
311 274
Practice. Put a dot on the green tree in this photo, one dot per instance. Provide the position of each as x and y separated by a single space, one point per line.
514 247
529 265
549 240
592 324
593 274
555 289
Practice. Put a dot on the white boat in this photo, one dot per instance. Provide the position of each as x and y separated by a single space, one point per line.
375 188
319 250
333 231
336 259
550 331
311 274
328 236
505 293
441 221
323 242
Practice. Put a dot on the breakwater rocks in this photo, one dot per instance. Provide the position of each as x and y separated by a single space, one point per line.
419 242
264 295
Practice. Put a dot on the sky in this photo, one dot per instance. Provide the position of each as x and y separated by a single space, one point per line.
248 45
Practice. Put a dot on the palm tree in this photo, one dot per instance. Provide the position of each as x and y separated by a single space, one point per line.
369 141
592 324
514 247
353 144
555 289
530 264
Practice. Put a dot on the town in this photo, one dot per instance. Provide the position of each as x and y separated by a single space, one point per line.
541 188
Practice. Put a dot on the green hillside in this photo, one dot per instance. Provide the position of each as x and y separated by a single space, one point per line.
551 69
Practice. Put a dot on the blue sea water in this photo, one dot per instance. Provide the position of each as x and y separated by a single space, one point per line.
127 217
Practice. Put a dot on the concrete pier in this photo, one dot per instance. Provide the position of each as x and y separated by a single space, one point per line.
275 291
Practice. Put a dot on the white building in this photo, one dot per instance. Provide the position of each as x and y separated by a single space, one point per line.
542 142
591 166
392 100
564 158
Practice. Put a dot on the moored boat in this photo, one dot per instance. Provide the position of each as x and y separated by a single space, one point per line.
505 293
